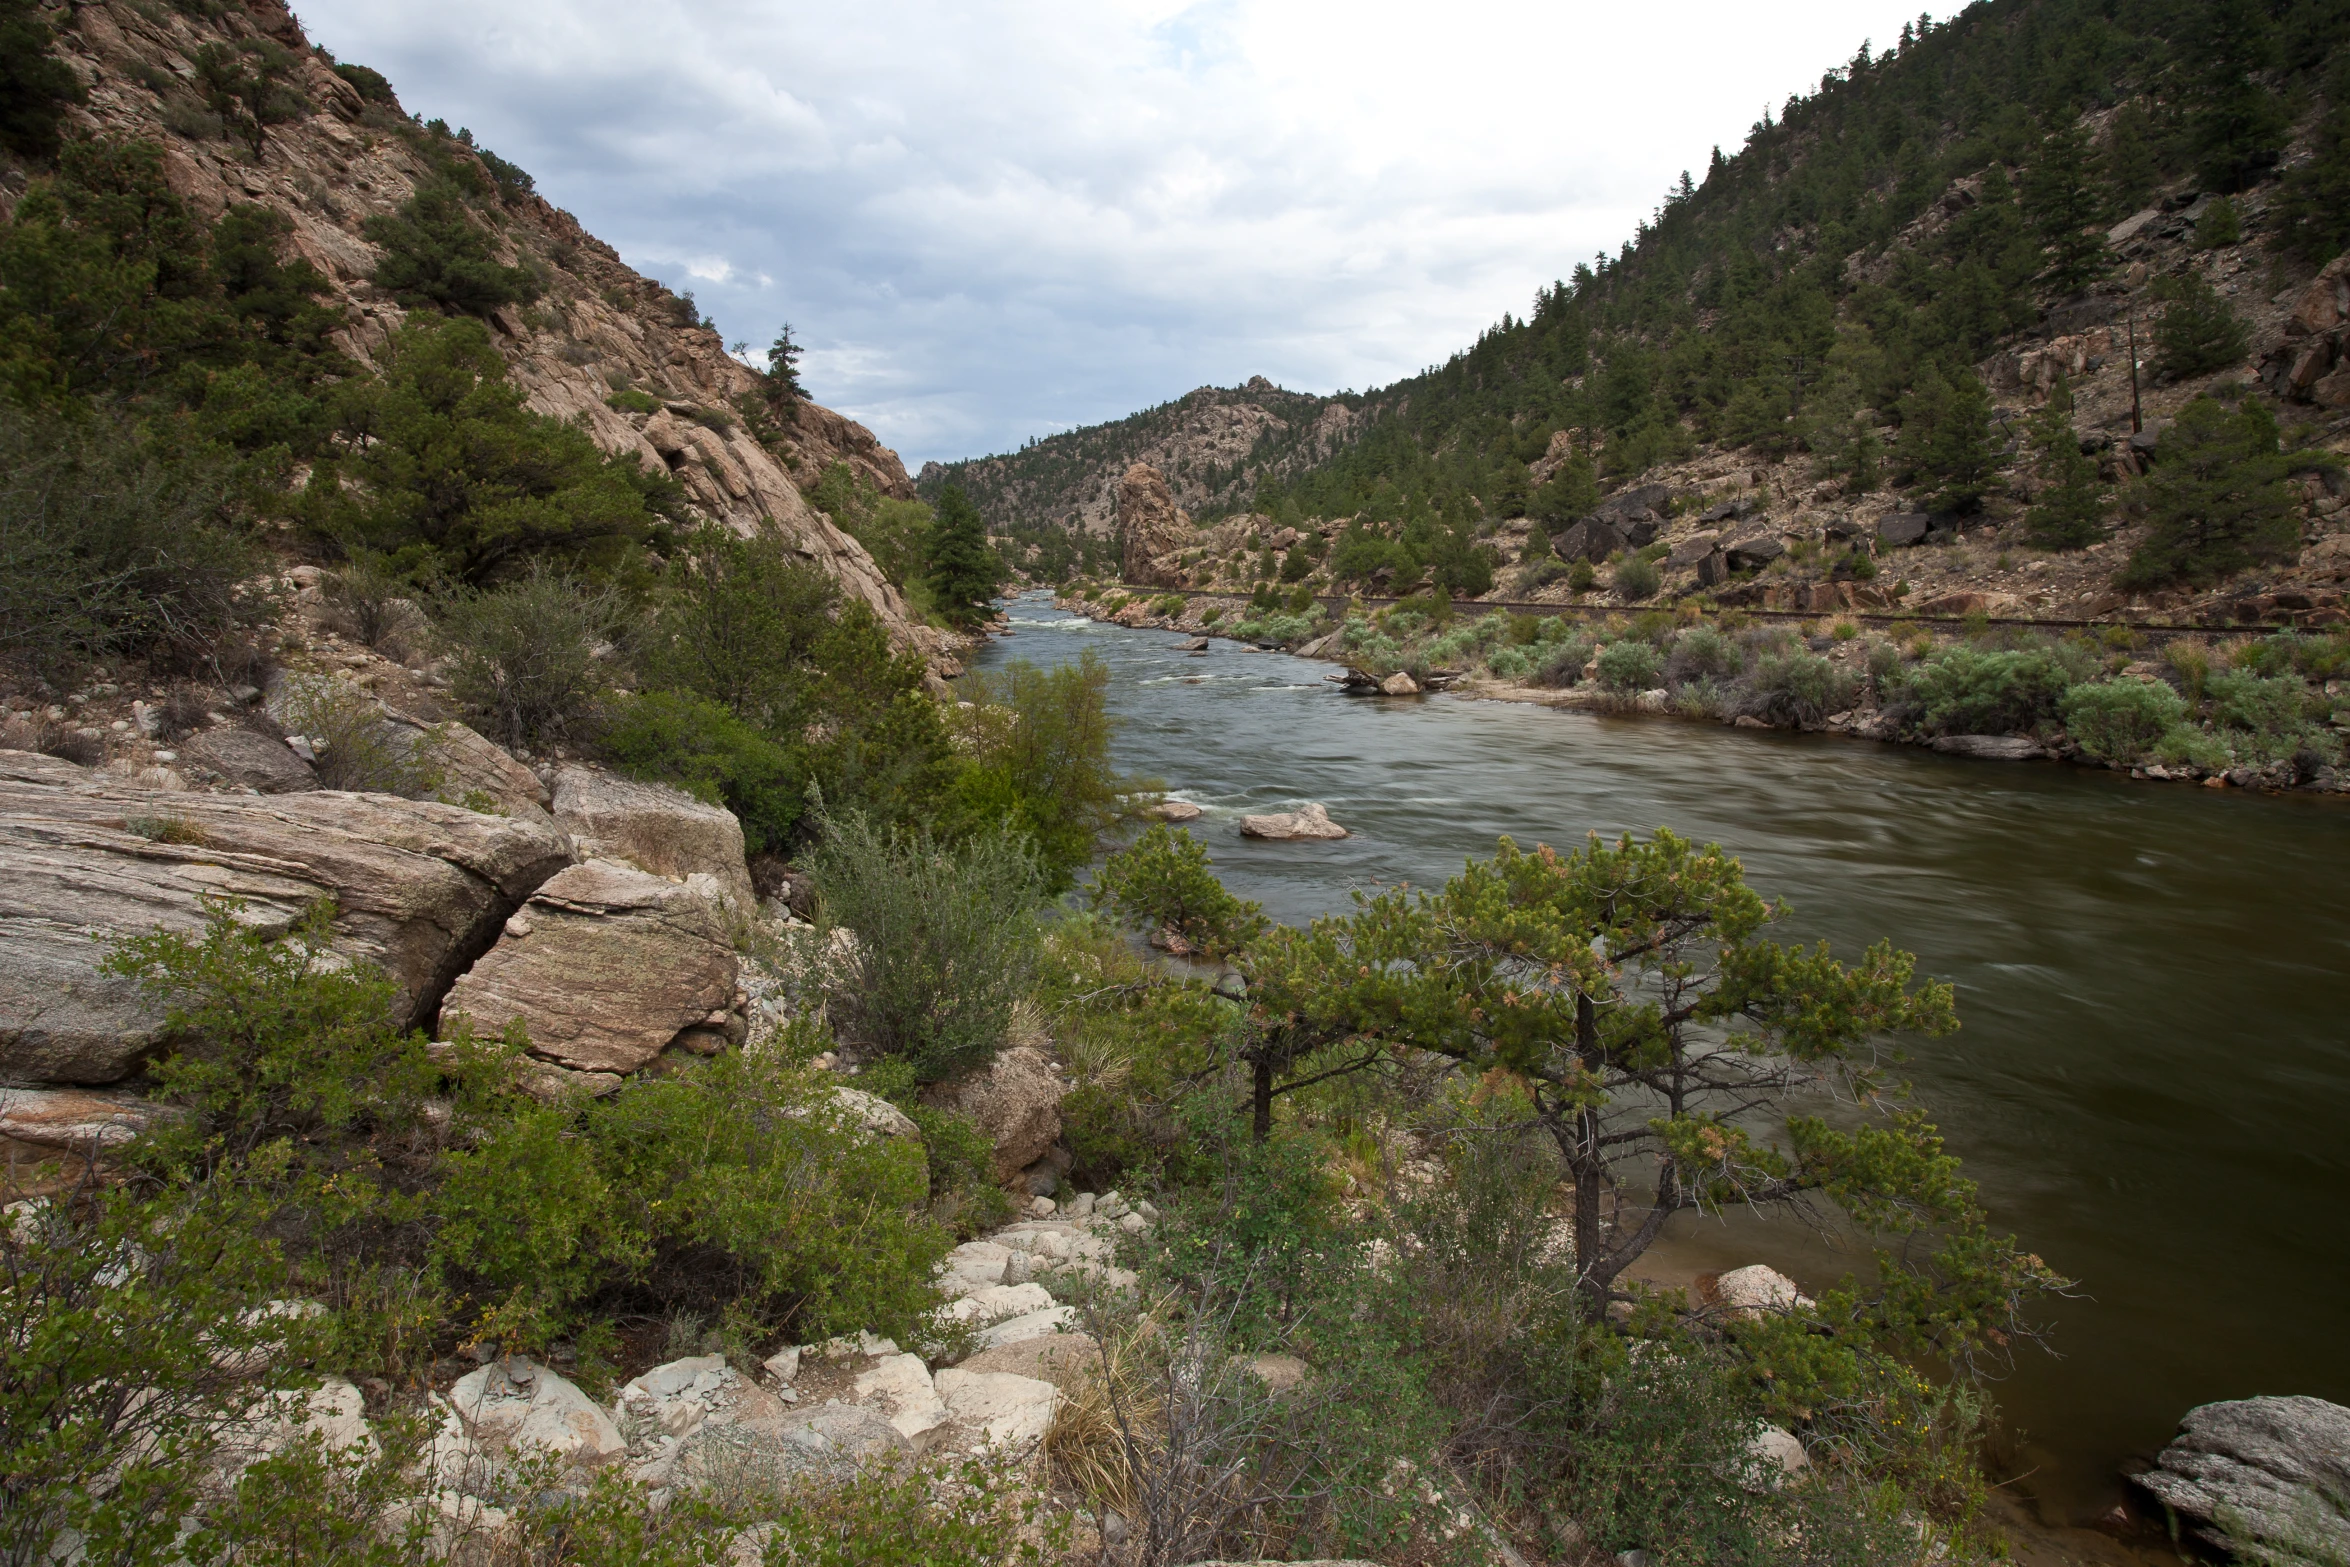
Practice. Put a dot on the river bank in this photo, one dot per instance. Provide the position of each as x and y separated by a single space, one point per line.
2140 972
2281 733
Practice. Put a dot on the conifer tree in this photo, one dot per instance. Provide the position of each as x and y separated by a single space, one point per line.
964 569
2068 513
2064 205
1946 439
2216 498
2198 332
2238 125
35 86
782 387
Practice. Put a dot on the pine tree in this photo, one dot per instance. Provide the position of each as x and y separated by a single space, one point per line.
2217 497
1946 439
964 570
2198 332
782 382
2128 163
2237 125
2068 513
2313 208
35 86
2064 206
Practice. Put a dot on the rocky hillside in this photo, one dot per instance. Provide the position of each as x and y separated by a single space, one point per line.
1213 446
1846 339
600 343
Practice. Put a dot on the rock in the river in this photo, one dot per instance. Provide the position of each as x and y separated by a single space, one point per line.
604 965
1016 1099
1307 821
656 828
248 758
1400 684
1756 1290
2275 1470
1174 811
1991 748
1007 1411
417 887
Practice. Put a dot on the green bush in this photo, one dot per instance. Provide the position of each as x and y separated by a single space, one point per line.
1162 883
1626 665
629 400
1703 653
2217 500
2266 716
1036 744
357 747
2198 331
2184 745
1964 690
944 940
2118 721
1565 660
438 255
111 542
1792 686
526 658
674 738
1636 578
743 622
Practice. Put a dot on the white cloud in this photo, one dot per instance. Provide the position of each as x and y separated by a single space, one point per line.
994 220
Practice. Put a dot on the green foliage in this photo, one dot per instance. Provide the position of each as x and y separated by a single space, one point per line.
2062 202
2198 331
1637 578
114 542
1036 744
632 401
1970 691
2312 208
246 85
895 533
1162 883
2266 716
2119 721
744 623
527 657
2219 226
373 86
1946 439
2238 125
780 385
439 256
36 88
123 1320
455 475
1628 664
676 738
1793 686
1580 576
944 941
964 570
2068 505
2217 500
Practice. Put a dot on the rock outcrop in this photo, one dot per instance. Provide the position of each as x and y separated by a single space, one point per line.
605 965
248 759
1150 527
1016 1099
418 888
598 325
2273 1470
656 828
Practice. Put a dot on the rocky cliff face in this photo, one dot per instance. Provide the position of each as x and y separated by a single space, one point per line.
1150 526
1208 447
600 325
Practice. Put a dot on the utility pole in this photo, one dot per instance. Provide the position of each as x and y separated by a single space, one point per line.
2137 423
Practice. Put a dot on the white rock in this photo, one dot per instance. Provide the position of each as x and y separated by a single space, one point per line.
334 1411
1307 821
1133 1223
1082 1204
1777 1458
782 1367
1008 1411
1752 1291
899 1388
989 1306
517 1403
1034 1324
676 1397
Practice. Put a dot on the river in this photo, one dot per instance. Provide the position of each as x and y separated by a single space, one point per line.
2152 1077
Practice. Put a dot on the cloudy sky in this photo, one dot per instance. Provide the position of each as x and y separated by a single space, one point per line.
989 221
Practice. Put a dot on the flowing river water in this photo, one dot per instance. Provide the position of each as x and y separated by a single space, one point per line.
2152 1077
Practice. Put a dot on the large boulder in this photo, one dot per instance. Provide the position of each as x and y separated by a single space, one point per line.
1005 1411
418 888
1309 821
1593 539
1016 1099
654 827
605 966
64 1130
516 1405
247 758
2273 1470
1150 525
1756 1291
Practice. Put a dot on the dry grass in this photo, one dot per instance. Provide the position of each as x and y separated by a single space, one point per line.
1102 1421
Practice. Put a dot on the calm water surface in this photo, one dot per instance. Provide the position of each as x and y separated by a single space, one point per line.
2152 1080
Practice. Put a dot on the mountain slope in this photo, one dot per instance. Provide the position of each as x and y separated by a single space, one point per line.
1865 306
599 343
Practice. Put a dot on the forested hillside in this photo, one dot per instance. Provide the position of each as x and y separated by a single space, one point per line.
1861 290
